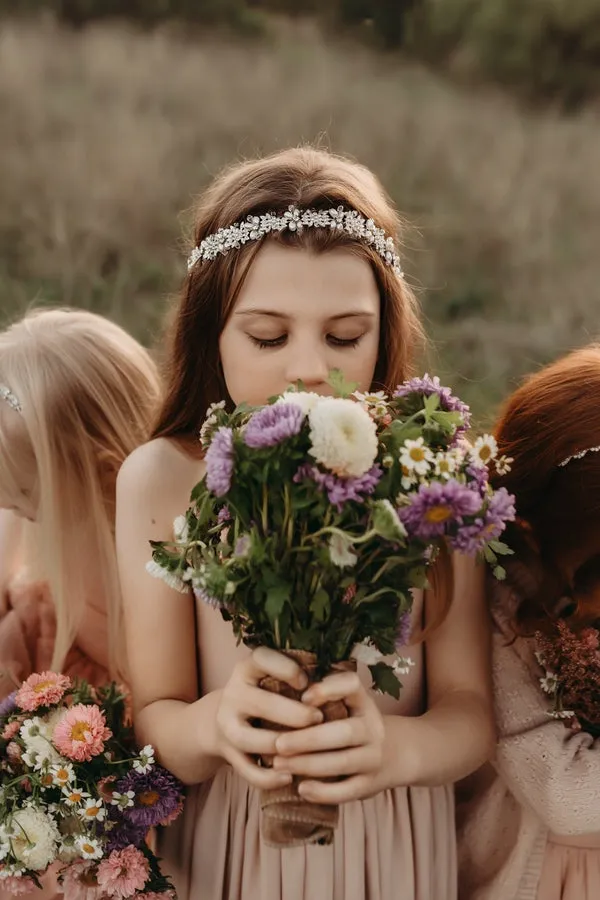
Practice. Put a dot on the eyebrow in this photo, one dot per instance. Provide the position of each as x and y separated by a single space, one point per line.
273 314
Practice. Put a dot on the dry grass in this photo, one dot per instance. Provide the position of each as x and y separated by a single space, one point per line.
107 135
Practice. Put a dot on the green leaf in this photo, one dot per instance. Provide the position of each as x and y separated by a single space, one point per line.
499 573
385 679
386 522
500 548
320 605
341 387
277 596
431 403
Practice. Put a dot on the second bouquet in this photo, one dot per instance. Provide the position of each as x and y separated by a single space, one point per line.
316 519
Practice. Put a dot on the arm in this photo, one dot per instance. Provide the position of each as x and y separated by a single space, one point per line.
548 768
192 735
11 529
449 741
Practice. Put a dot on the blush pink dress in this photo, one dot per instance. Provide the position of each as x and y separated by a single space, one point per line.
398 845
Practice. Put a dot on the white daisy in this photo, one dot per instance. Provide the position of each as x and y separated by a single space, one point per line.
503 465
146 760
343 437
484 450
416 457
73 796
402 665
446 464
549 683
89 847
124 801
92 810
180 529
62 774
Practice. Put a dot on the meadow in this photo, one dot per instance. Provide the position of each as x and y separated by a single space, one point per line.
107 135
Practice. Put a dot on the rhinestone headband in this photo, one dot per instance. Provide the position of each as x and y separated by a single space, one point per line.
254 228
579 455
13 401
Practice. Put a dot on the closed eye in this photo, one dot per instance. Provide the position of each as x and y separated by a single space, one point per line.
264 343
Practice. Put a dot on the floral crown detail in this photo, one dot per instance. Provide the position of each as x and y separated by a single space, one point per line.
10 398
579 455
254 228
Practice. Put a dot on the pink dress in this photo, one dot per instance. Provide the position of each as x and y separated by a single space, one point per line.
398 845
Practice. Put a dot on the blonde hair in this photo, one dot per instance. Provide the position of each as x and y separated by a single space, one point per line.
88 392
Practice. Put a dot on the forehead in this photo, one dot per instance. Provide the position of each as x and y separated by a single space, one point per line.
294 280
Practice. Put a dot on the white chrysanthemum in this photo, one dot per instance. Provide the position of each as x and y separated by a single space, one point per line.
89 847
340 551
306 400
366 653
484 450
34 838
180 529
343 436
174 581
416 457
446 464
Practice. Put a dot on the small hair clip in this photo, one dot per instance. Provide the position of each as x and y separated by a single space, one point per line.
10 398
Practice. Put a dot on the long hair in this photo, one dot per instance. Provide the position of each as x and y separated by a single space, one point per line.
88 392
306 177
553 415
309 178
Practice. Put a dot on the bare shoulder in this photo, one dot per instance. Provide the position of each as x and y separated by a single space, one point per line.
156 480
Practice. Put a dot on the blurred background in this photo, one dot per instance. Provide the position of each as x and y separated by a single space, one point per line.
481 117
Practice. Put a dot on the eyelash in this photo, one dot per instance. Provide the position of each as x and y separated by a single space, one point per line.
278 342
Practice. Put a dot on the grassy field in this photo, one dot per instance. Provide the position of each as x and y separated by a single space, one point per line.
108 134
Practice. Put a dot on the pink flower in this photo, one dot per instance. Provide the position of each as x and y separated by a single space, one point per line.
124 872
81 732
79 881
42 689
11 729
106 787
14 752
15 885
168 820
154 895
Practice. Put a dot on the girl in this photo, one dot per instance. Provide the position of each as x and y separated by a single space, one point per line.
76 397
284 298
530 824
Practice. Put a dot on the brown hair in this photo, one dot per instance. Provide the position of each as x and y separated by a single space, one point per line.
554 414
309 178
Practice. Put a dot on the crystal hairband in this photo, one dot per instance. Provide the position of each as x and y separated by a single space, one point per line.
579 455
254 228
12 400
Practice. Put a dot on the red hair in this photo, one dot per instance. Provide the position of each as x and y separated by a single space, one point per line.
554 414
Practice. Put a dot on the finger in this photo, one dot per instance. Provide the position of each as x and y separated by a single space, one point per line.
358 787
259 704
355 761
328 736
264 661
266 779
257 741
345 686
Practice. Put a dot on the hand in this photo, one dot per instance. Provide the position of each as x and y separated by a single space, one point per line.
242 700
352 747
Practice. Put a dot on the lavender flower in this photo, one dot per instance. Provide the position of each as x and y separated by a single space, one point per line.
224 515
404 631
273 424
341 490
480 478
8 705
123 833
428 386
158 795
436 506
219 462
472 538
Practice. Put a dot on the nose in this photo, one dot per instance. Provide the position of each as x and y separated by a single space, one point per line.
308 364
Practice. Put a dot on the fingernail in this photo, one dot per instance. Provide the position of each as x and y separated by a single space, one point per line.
308 696
284 778
317 716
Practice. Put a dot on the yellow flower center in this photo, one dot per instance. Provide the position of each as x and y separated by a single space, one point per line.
485 453
148 798
92 811
437 514
443 465
42 686
79 731
88 848
62 775
75 798
417 454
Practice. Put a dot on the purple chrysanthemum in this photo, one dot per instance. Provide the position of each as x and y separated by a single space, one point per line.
8 705
480 476
123 833
403 631
428 386
436 506
201 593
341 490
273 424
219 461
158 795
470 539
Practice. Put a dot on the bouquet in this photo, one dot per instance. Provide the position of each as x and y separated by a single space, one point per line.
571 664
317 517
75 792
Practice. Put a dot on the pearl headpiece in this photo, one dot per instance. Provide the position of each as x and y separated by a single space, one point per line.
254 228
10 398
579 455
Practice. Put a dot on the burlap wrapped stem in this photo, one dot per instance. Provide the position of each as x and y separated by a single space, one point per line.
287 819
